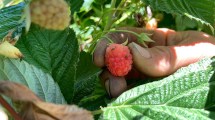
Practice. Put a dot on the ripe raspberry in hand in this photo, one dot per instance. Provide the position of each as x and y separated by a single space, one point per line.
50 14
118 59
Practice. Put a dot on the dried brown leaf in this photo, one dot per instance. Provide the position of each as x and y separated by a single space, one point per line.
17 92
33 108
62 112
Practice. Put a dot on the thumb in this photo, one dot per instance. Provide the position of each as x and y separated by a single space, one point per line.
114 85
164 60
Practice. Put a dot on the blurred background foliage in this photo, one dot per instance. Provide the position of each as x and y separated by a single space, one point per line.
6 3
89 22
90 17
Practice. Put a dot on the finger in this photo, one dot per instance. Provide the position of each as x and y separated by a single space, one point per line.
167 37
164 37
137 30
116 37
161 61
99 53
113 85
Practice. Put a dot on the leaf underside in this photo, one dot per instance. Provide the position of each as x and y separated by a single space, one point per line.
199 10
39 82
183 95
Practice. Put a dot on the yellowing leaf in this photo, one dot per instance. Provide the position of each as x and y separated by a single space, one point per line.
8 50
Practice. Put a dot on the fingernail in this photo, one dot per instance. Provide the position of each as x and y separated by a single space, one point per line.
143 52
107 86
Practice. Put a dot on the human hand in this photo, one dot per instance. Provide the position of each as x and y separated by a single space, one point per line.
170 51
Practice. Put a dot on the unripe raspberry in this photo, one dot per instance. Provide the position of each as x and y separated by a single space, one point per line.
118 59
50 14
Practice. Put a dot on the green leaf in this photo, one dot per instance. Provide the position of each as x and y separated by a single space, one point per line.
55 52
75 5
10 18
137 112
183 95
87 74
143 37
39 82
183 23
7 3
95 100
200 10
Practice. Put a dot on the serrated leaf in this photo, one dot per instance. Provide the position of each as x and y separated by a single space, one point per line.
183 95
96 99
157 113
183 22
55 52
199 10
86 75
10 18
141 41
39 82
145 37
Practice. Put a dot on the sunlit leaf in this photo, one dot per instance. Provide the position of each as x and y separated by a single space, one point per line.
183 95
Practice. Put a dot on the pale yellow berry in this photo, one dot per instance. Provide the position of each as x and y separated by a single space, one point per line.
50 14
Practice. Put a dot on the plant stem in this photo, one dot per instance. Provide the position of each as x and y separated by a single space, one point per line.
110 16
128 31
9 108
140 40
120 7
137 35
96 112
107 39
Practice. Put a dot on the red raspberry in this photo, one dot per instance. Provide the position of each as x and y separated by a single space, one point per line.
118 59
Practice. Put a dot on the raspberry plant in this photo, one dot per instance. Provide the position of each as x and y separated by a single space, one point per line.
57 63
